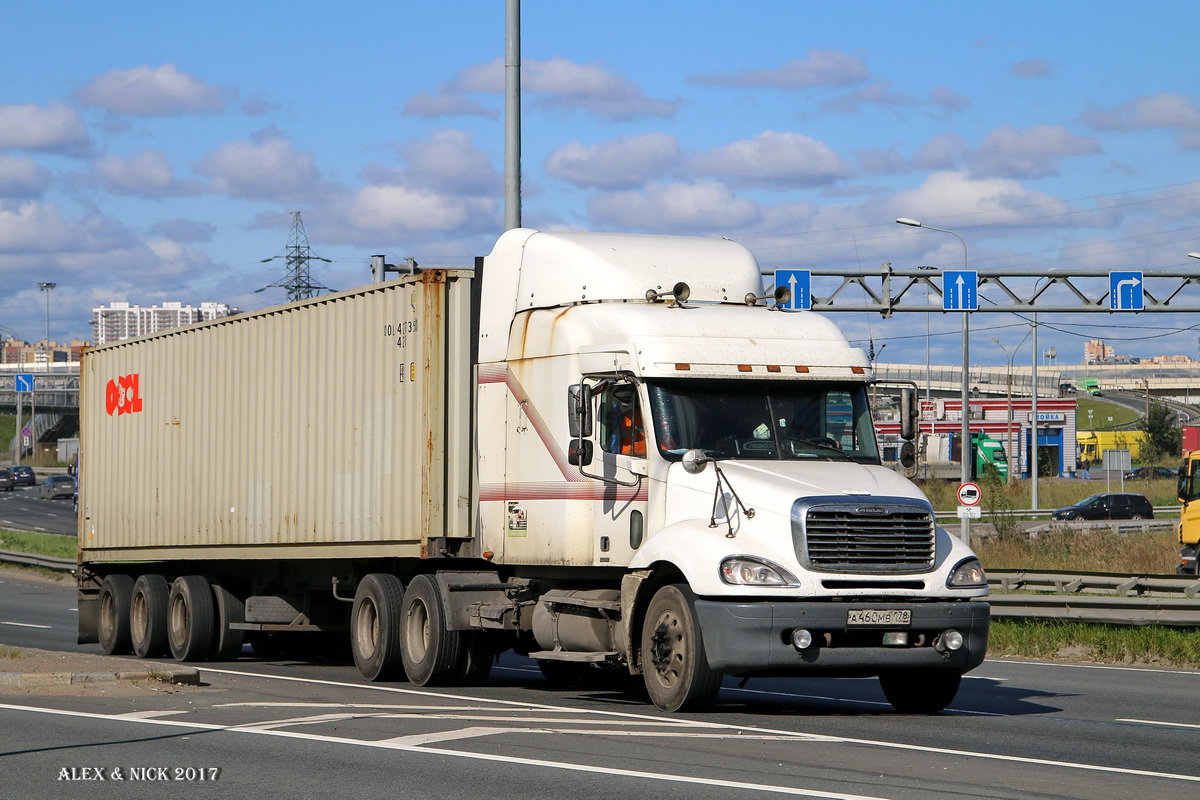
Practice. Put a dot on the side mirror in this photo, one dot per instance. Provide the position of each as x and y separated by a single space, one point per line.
908 455
694 461
909 413
579 454
579 411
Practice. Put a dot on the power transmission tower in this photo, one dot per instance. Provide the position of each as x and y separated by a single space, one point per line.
296 280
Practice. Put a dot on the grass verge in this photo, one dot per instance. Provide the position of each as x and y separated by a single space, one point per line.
41 544
1083 641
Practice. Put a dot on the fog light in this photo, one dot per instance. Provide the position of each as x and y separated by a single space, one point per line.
948 642
802 639
895 639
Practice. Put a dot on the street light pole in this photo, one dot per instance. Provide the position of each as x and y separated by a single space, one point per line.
47 287
966 454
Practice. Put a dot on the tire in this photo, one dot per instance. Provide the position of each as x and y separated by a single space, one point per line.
148 616
1077 517
230 609
1135 516
674 666
375 627
112 625
919 691
432 654
191 618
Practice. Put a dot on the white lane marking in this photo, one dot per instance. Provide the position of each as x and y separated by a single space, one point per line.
25 625
445 736
625 773
1160 722
149 714
797 735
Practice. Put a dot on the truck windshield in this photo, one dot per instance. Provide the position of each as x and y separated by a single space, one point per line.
772 420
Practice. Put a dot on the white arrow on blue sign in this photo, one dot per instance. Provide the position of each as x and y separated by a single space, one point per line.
24 381
960 290
799 282
1125 291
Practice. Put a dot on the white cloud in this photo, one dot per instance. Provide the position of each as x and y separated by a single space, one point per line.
145 174
266 168
1030 153
617 164
821 68
1162 110
677 207
448 161
382 211
1010 206
53 128
424 104
1032 68
20 177
184 230
775 160
151 92
559 84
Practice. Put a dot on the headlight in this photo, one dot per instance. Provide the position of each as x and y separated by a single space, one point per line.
743 571
967 574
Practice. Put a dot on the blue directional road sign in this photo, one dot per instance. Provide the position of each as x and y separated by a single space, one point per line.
24 381
1125 291
960 290
799 281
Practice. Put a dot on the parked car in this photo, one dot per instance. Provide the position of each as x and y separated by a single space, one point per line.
6 480
1148 473
56 486
1108 506
23 475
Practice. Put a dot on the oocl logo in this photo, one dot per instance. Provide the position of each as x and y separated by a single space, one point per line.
121 395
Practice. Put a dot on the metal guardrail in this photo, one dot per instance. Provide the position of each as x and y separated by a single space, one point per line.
1044 513
1116 599
47 562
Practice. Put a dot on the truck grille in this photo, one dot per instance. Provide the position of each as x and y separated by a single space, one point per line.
894 537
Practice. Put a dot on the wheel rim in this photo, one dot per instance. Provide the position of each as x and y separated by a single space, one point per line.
178 620
667 647
108 616
417 639
367 632
138 623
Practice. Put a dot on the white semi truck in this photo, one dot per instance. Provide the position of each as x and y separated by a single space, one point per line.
602 451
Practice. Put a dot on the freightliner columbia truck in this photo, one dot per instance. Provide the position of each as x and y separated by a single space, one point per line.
605 452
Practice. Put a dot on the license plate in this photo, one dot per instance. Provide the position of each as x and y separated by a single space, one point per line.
878 616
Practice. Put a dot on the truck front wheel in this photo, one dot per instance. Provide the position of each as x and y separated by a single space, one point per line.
432 653
148 616
919 691
191 618
674 666
113 624
375 627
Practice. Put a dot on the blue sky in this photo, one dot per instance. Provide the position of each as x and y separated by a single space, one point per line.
156 151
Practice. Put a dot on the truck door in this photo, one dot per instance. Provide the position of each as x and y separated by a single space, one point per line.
621 441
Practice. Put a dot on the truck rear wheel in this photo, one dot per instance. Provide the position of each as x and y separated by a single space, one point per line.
674 666
231 609
375 627
148 616
432 653
919 691
190 618
113 624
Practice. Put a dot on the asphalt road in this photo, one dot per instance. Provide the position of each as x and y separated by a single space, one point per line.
21 509
1018 729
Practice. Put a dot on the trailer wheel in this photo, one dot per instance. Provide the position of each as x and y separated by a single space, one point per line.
919 691
674 666
190 618
113 624
375 627
432 653
231 609
148 616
